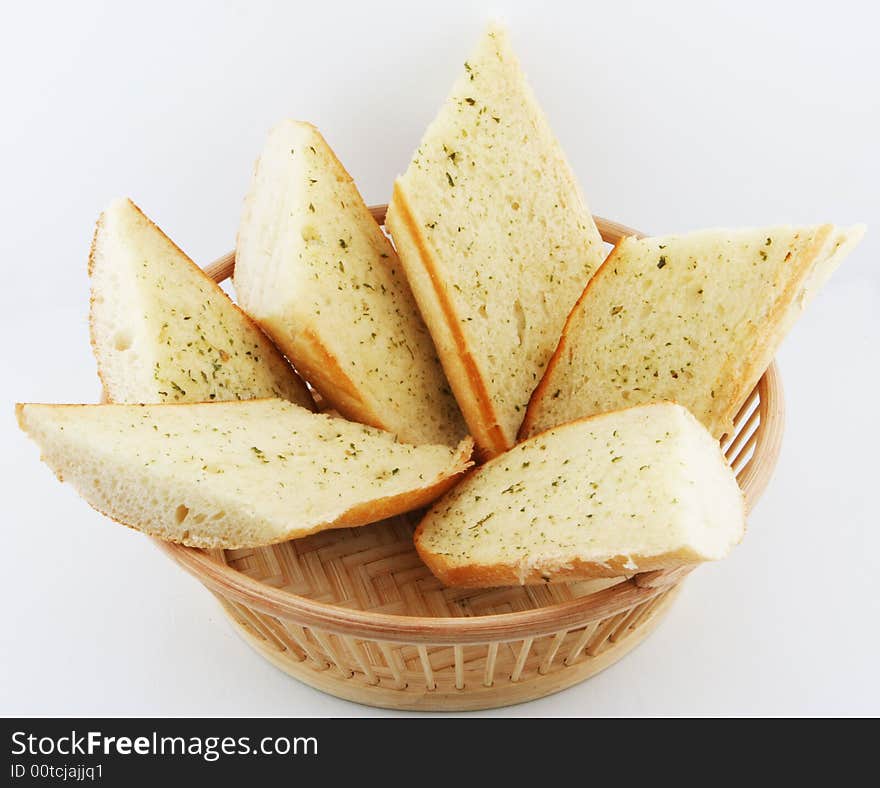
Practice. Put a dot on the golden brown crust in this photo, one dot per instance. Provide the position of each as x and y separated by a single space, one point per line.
361 514
501 574
322 369
268 347
382 508
540 391
439 315
742 381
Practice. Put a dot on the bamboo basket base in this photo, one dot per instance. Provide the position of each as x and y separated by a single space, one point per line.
410 692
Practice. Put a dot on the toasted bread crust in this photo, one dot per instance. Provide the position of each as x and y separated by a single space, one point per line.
525 430
304 396
382 508
741 381
322 369
506 574
445 326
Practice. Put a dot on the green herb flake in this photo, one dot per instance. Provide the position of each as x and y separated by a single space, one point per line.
478 523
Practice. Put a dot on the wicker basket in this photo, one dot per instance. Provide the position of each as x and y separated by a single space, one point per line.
355 613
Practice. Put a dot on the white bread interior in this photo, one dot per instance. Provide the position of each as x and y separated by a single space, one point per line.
163 331
316 271
236 474
693 318
640 489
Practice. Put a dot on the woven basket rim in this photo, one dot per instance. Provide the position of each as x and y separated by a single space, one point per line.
753 478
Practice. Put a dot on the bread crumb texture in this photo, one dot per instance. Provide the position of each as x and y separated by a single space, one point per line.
239 474
316 270
162 331
498 210
643 488
693 318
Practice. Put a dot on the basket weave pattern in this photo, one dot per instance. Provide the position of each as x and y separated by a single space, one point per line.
355 612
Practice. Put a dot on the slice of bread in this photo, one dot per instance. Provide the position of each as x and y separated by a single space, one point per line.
162 331
319 275
496 240
639 489
236 474
693 318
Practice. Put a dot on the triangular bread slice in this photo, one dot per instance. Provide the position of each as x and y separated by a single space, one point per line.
163 331
496 240
316 271
693 318
639 489
236 474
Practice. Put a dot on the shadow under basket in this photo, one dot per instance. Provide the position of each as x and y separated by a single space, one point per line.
355 612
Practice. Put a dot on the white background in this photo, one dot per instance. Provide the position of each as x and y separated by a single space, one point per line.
675 116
